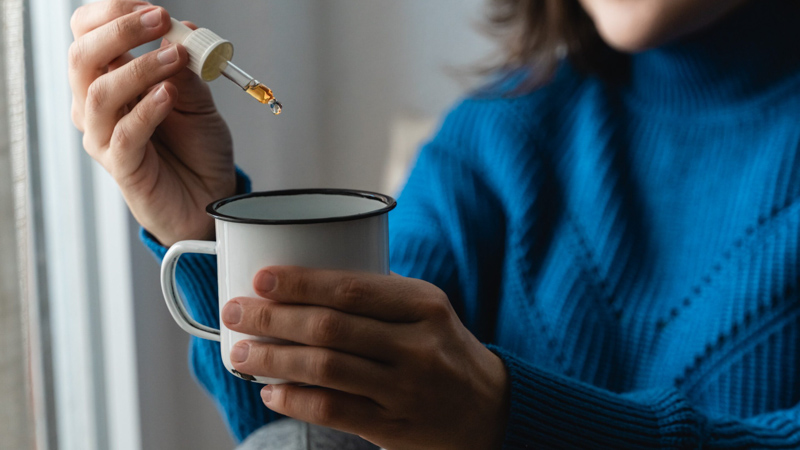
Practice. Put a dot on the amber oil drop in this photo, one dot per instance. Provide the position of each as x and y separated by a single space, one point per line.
264 95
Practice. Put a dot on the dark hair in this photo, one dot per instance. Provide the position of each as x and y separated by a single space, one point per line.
537 34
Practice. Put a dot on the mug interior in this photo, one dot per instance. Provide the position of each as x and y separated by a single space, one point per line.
299 206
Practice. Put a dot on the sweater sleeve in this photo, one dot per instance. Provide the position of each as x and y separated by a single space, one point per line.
238 401
552 411
434 235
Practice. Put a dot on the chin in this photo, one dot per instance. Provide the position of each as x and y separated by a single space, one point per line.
632 26
631 42
630 33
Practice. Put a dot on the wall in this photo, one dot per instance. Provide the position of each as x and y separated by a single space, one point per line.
386 60
345 70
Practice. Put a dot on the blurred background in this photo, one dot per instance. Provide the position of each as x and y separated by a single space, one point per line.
90 358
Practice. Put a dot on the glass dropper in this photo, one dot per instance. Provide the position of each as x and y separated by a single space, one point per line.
250 85
210 56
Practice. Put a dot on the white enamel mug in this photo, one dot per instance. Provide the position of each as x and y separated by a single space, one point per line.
316 228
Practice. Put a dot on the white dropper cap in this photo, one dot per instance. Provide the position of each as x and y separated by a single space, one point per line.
208 52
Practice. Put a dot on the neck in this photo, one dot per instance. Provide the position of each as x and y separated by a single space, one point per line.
734 61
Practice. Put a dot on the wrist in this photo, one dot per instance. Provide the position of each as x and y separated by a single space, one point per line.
495 405
202 230
503 389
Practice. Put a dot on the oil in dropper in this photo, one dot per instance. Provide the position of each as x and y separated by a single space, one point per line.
264 95
255 88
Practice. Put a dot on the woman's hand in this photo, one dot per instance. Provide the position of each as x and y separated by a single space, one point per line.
387 356
149 121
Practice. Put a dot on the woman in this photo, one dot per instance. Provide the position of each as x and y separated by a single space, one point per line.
615 218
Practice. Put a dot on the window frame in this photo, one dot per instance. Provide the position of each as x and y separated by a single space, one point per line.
86 298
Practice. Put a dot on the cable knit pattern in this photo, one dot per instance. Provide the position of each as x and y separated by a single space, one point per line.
629 250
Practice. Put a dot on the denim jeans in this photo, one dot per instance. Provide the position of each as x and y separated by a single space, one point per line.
290 434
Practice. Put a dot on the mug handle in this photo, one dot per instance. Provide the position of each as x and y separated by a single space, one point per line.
170 289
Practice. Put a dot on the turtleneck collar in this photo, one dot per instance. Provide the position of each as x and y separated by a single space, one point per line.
744 56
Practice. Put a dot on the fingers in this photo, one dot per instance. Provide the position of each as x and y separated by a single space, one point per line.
315 326
96 49
386 298
90 54
92 15
111 92
130 136
311 365
324 407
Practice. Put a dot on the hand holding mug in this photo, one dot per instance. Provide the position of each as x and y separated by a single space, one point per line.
324 228
388 358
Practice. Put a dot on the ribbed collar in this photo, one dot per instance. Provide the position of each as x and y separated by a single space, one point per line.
740 59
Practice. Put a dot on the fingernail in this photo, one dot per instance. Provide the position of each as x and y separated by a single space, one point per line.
161 94
142 6
168 56
151 19
240 351
232 313
266 393
265 281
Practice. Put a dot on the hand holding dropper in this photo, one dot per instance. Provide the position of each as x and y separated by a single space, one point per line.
210 56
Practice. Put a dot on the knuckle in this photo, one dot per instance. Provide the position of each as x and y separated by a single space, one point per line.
114 160
323 410
424 362
120 138
137 70
350 291
75 54
427 352
267 355
76 17
407 349
263 319
124 27
324 367
439 304
292 285
140 113
116 7
117 28
77 117
95 95
89 146
299 286
326 328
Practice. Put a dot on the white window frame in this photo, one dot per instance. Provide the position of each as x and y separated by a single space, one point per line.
86 245
17 428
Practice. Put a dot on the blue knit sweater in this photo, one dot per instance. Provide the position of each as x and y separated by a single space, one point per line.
630 250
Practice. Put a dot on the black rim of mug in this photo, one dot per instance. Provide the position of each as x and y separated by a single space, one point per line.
389 202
